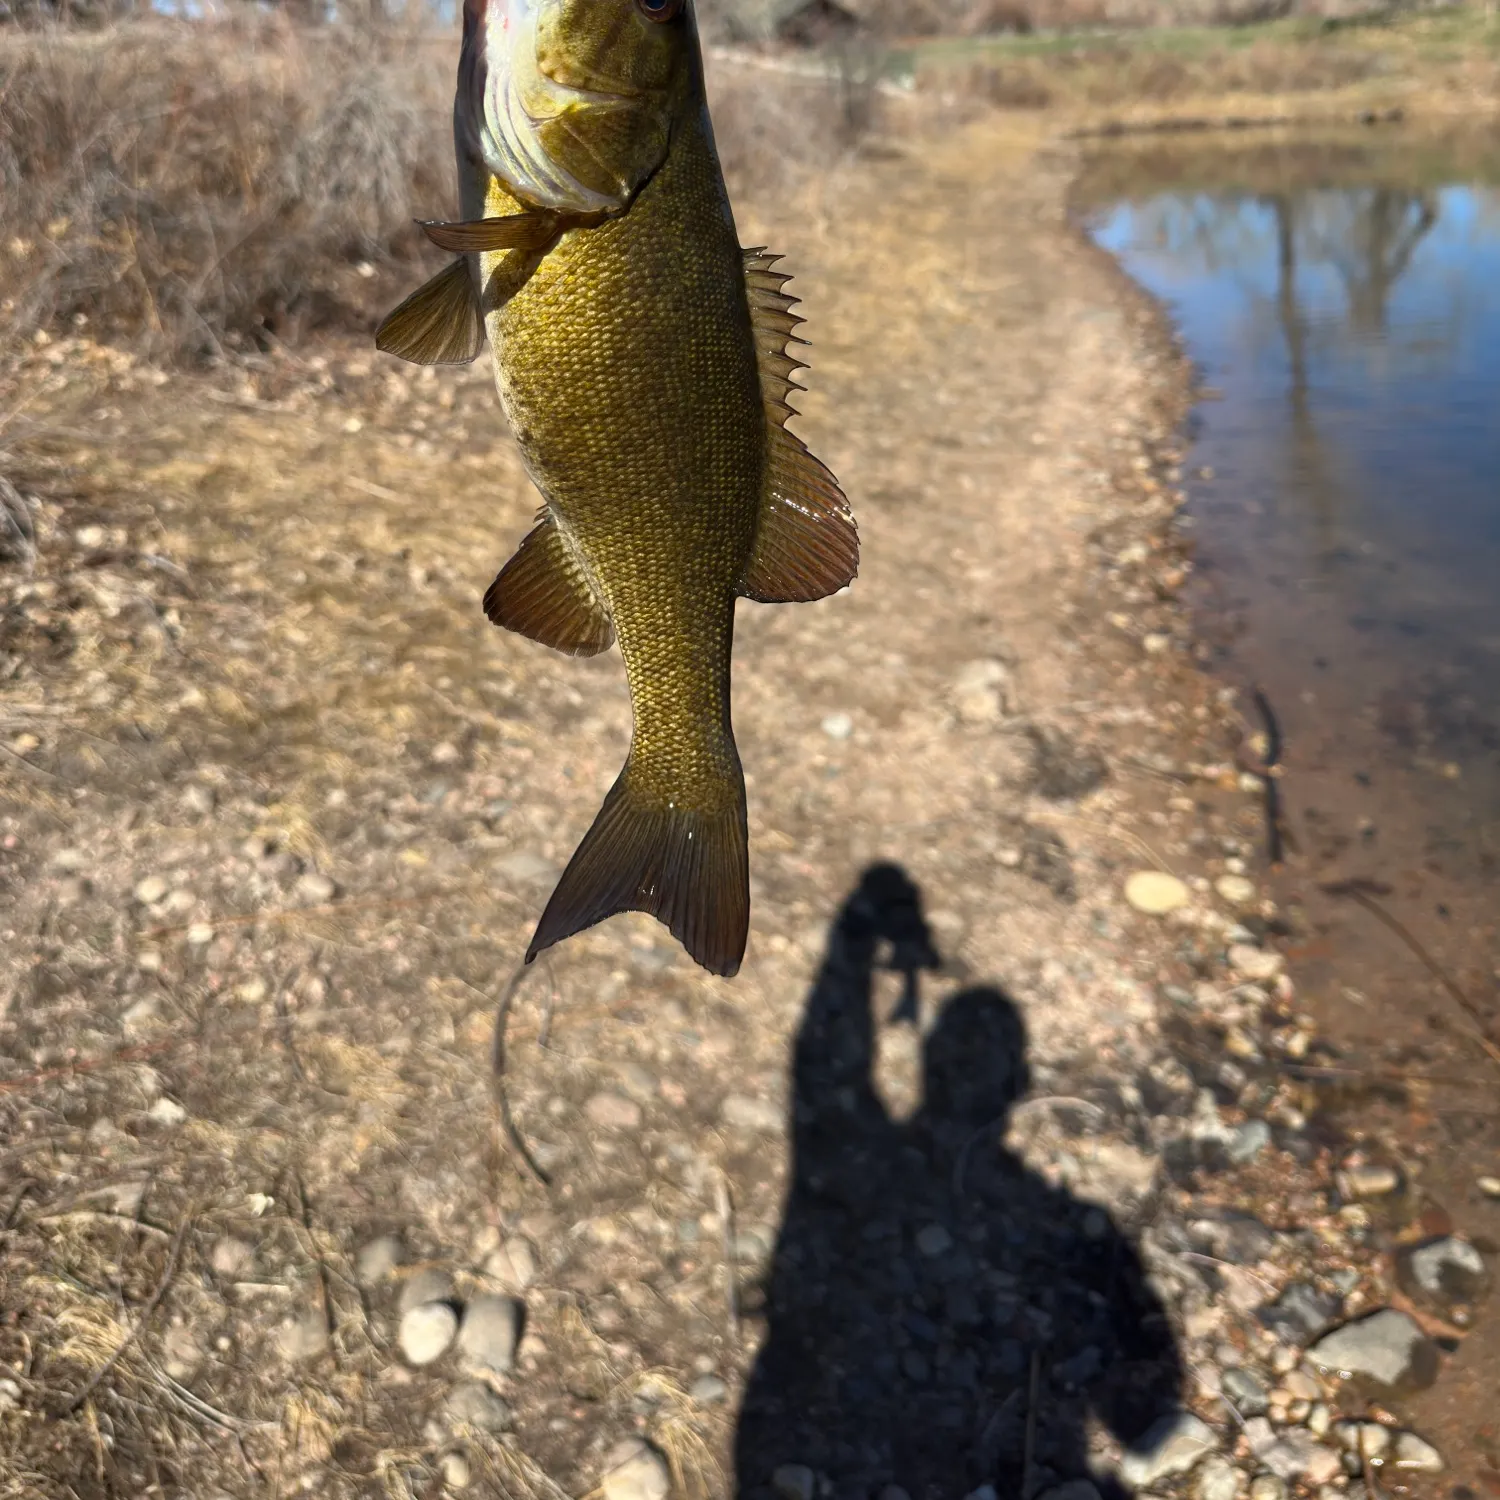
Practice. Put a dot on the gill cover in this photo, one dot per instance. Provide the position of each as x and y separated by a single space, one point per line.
569 102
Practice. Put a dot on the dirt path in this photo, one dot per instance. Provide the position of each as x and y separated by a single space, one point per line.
280 809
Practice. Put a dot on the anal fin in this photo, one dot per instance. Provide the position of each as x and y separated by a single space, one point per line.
544 594
439 324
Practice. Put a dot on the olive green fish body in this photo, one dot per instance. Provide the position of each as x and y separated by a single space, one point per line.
641 357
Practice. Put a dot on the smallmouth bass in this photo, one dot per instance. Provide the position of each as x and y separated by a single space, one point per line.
643 360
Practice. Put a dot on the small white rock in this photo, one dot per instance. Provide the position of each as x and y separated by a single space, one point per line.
634 1470
455 1470
304 1336
513 1265
377 1259
747 1113
150 890
426 1332
613 1112
231 1258
315 889
1235 889
167 1112
838 726
1490 1186
490 1330
1155 892
1417 1455
1257 964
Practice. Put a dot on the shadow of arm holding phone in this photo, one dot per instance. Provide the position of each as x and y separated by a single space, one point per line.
926 1283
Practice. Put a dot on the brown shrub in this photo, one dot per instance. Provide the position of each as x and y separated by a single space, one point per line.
197 184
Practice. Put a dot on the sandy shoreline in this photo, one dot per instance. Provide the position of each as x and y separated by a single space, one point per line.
275 793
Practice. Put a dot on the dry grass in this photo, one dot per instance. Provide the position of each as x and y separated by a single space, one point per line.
204 188
204 185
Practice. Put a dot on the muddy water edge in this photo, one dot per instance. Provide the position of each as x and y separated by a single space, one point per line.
1344 586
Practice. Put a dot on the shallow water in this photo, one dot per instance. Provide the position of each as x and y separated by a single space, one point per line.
1341 301
1352 332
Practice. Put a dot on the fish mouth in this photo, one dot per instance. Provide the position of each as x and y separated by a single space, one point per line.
507 102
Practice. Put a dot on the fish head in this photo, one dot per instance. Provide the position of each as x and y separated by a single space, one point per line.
569 103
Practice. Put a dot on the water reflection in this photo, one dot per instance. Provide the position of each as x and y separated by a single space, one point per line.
1350 320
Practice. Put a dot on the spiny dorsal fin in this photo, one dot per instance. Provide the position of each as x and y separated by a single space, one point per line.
439 324
543 593
806 544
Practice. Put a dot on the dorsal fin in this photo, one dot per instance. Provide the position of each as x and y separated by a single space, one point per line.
806 544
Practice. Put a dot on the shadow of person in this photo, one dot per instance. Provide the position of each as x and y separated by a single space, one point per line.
938 1316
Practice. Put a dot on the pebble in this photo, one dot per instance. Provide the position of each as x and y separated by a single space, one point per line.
230 1258
166 1112
746 1113
1294 1454
428 1284
1489 1186
1247 1141
1155 892
426 1332
489 1333
1217 1479
474 1404
1244 1392
1301 1386
1417 1454
794 1482
634 1470
1300 1313
979 691
455 1470
1171 1445
314 889
1267 1487
1235 889
150 890
1368 1181
1385 1347
513 1265
1319 1419
708 1390
377 1259
10 1395
304 1336
934 1240
613 1112
1258 964
838 726
1446 1271
1367 1438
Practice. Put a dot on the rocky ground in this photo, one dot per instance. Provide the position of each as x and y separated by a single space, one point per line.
1004 1162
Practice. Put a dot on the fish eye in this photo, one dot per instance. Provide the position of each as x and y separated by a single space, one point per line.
659 10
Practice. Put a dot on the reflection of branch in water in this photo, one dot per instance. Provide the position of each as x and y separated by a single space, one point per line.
1384 238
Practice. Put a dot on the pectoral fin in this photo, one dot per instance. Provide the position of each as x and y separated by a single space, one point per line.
439 324
806 544
544 593
529 231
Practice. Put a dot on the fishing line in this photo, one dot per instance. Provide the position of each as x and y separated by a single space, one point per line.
497 1076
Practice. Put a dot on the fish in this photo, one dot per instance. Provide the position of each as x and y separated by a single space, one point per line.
646 362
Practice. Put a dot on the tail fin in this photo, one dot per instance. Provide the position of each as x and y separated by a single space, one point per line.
688 869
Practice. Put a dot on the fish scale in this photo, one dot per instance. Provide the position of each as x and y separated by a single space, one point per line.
641 357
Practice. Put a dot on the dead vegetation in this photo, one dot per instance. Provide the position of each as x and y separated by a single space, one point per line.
198 189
